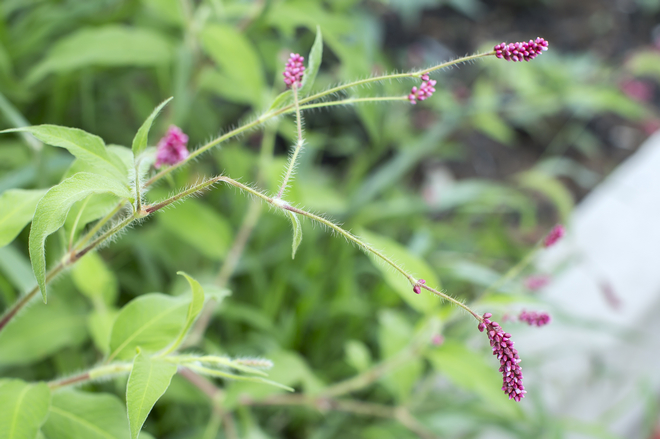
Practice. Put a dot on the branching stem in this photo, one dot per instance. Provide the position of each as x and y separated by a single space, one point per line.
298 147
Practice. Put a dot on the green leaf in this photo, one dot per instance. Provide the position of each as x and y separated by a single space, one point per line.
41 331
23 408
147 382
297 233
16 211
99 324
314 62
357 355
551 188
79 415
394 335
94 279
52 210
281 100
424 302
195 307
470 371
110 46
90 209
251 379
200 226
142 136
88 148
151 322
238 61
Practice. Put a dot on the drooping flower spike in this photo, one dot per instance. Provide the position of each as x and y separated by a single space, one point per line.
172 148
294 70
523 51
424 91
503 349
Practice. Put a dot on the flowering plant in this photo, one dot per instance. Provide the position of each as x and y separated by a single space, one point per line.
147 341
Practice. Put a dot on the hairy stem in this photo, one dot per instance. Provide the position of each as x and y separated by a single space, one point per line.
96 373
23 301
349 236
291 108
350 101
99 225
298 147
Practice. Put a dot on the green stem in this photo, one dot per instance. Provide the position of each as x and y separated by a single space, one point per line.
75 223
298 147
91 375
290 108
350 101
513 272
102 222
17 306
361 244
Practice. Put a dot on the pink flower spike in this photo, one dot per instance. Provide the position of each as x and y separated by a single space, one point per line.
424 91
294 70
503 349
524 51
555 235
535 318
172 148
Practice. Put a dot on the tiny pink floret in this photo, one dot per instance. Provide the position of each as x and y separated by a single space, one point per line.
555 235
417 288
533 318
503 349
523 51
424 91
294 70
172 148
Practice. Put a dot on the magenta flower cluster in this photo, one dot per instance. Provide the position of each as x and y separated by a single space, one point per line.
294 70
503 349
424 91
172 148
534 318
524 51
555 235
417 288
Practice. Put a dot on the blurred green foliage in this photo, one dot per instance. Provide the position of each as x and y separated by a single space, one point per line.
424 184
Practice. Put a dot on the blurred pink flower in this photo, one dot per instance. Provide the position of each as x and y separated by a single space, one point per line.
172 147
636 89
437 340
555 235
534 318
537 281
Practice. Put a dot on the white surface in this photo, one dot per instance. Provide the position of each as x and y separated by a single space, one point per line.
595 361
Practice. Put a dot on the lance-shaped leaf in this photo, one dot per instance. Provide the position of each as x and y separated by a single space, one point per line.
150 321
230 376
148 381
52 210
16 211
314 62
23 408
142 136
87 147
195 307
297 233
79 415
